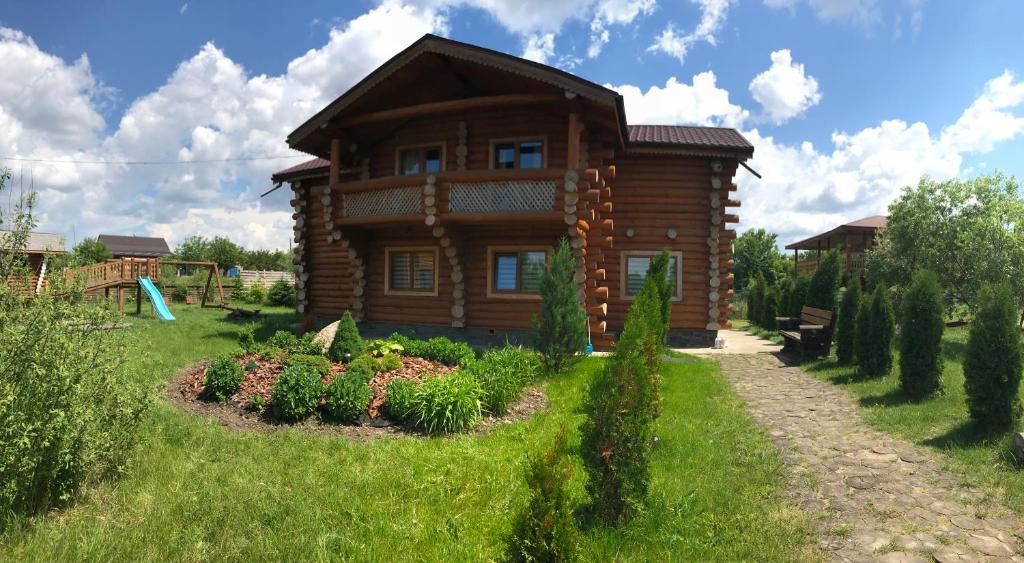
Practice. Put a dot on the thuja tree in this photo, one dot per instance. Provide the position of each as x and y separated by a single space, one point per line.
617 436
658 275
347 344
560 330
846 330
755 300
824 285
799 296
921 326
992 366
876 327
770 307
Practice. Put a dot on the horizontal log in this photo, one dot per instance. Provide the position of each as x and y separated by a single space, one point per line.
731 218
450 106
732 203
598 292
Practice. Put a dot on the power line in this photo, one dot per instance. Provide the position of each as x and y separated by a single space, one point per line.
151 162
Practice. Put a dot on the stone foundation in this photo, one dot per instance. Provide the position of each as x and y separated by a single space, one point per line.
692 338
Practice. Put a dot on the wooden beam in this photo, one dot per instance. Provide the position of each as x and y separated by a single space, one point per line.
332 181
450 107
574 140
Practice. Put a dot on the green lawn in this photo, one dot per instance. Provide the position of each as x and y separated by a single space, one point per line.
198 491
940 422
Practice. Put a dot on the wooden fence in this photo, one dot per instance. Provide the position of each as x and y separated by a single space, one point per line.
265 278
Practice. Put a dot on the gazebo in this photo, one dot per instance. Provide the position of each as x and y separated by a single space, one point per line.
852 239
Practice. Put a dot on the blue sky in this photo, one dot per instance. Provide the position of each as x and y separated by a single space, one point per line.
915 86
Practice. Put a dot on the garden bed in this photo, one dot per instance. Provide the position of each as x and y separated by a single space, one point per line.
186 391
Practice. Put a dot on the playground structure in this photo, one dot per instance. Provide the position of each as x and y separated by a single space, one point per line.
142 274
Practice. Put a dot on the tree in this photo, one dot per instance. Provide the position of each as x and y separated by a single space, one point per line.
89 251
755 299
770 307
757 252
876 327
992 364
347 343
824 285
663 288
560 330
846 329
224 252
797 301
967 231
195 248
921 324
18 223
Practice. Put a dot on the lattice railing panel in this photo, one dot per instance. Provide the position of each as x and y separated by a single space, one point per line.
393 201
500 197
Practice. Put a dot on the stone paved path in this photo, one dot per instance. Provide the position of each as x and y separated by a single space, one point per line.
872 497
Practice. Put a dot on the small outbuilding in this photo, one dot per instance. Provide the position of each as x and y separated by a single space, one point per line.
38 250
853 240
121 246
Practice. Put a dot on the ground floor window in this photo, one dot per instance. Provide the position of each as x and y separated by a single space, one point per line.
411 271
516 271
634 270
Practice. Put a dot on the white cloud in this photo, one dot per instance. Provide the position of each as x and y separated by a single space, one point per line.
181 11
699 103
614 12
863 12
671 42
209 108
784 90
539 47
987 121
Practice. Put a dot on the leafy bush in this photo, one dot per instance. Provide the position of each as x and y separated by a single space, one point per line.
257 294
69 410
824 285
770 308
296 393
664 287
362 367
346 340
179 293
398 401
388 362
799 296
921 336
617 436
846 324
347 397
223 377
438 349
237 289
257 402
502 373
247 337
281 293
755 299
560 330
447 404
283 339
379 348
268 352
992 364
306 346
876 327
251 365
316 364
546 529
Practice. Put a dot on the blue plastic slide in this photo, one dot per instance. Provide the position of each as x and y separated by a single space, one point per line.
156 299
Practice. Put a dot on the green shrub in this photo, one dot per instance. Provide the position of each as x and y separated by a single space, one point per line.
824 284
362 368
799 298
755 299
502 373
296 393
347 397
664 287
306 347
770 308
379 348
992 364
449 353
447 404
921 328
283 339
876 327
399 399
257 294
560 330
257 402
247 337
251 365
546 529
223 376
281 293
237 289
316 364
268 352
846 324
787 288
179 293
69 409
617 436
346 340
410 346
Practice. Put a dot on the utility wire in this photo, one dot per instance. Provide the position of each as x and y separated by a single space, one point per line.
152 162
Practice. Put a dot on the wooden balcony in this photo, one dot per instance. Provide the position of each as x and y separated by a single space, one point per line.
453 196
114 272
849 264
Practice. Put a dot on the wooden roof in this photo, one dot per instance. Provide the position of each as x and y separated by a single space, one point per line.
142 247
40 243
866 225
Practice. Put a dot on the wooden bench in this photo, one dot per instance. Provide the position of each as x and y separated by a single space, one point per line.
811 332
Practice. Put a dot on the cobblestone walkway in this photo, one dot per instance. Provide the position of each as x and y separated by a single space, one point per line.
872 497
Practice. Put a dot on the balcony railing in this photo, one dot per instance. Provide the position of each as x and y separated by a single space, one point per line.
849 264
114 272
454 195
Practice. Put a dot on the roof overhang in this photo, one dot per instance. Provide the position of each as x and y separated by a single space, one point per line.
806 243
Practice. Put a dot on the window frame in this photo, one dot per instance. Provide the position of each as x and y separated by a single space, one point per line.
389 250
624 271
494 251
423 148
492 153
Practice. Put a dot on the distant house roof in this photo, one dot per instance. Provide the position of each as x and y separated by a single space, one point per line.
39 243
865 225
132 246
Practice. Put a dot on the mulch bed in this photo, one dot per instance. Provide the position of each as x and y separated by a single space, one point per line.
187 392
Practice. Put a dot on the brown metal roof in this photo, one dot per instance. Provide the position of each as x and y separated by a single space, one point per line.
299 169
690 137
142 247
872 223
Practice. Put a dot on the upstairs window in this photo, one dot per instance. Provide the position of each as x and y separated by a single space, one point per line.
412 270
419 160
634 271
516 271
523 154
